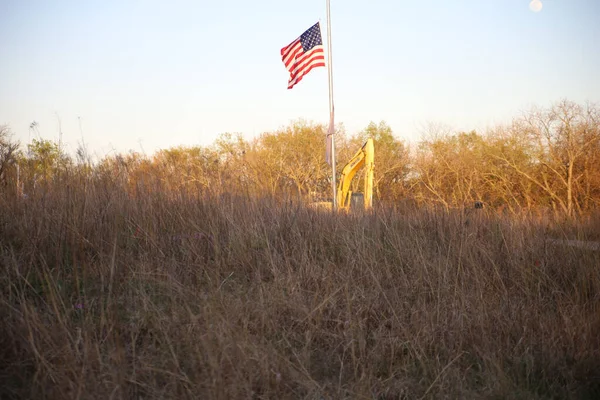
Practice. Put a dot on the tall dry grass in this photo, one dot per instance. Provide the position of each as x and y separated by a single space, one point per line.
169 296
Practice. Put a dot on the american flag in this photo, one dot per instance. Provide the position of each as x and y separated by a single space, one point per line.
303 54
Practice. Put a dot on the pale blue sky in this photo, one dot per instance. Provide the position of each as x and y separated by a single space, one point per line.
167 73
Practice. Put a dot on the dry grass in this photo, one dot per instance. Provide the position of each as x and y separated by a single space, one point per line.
165 297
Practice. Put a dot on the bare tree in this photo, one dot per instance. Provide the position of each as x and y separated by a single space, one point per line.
558 140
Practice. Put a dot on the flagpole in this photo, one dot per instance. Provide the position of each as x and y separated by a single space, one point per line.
331 109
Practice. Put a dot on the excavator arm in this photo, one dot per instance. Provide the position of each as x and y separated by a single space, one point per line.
363 157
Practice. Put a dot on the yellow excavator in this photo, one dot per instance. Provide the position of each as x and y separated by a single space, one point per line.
345 199
365 156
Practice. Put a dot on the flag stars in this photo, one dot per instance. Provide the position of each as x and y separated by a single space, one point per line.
311 38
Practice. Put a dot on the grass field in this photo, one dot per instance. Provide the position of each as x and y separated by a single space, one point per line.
169 297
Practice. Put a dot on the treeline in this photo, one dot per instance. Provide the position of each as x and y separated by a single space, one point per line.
545 160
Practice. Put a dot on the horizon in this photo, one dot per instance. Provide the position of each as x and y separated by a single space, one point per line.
146 77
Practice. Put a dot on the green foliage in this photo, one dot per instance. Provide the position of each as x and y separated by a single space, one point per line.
392 161
45 159
381 134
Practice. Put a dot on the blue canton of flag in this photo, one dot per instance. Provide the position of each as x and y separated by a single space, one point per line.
311 38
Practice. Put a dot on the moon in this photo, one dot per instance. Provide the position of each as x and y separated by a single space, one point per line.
535 6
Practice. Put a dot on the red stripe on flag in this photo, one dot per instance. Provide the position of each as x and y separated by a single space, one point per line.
290 55
289 46
298 73
298 78
301 66
305 56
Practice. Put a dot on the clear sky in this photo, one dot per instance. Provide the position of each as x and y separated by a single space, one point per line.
151 74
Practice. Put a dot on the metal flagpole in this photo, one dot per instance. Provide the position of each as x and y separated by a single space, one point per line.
331 108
